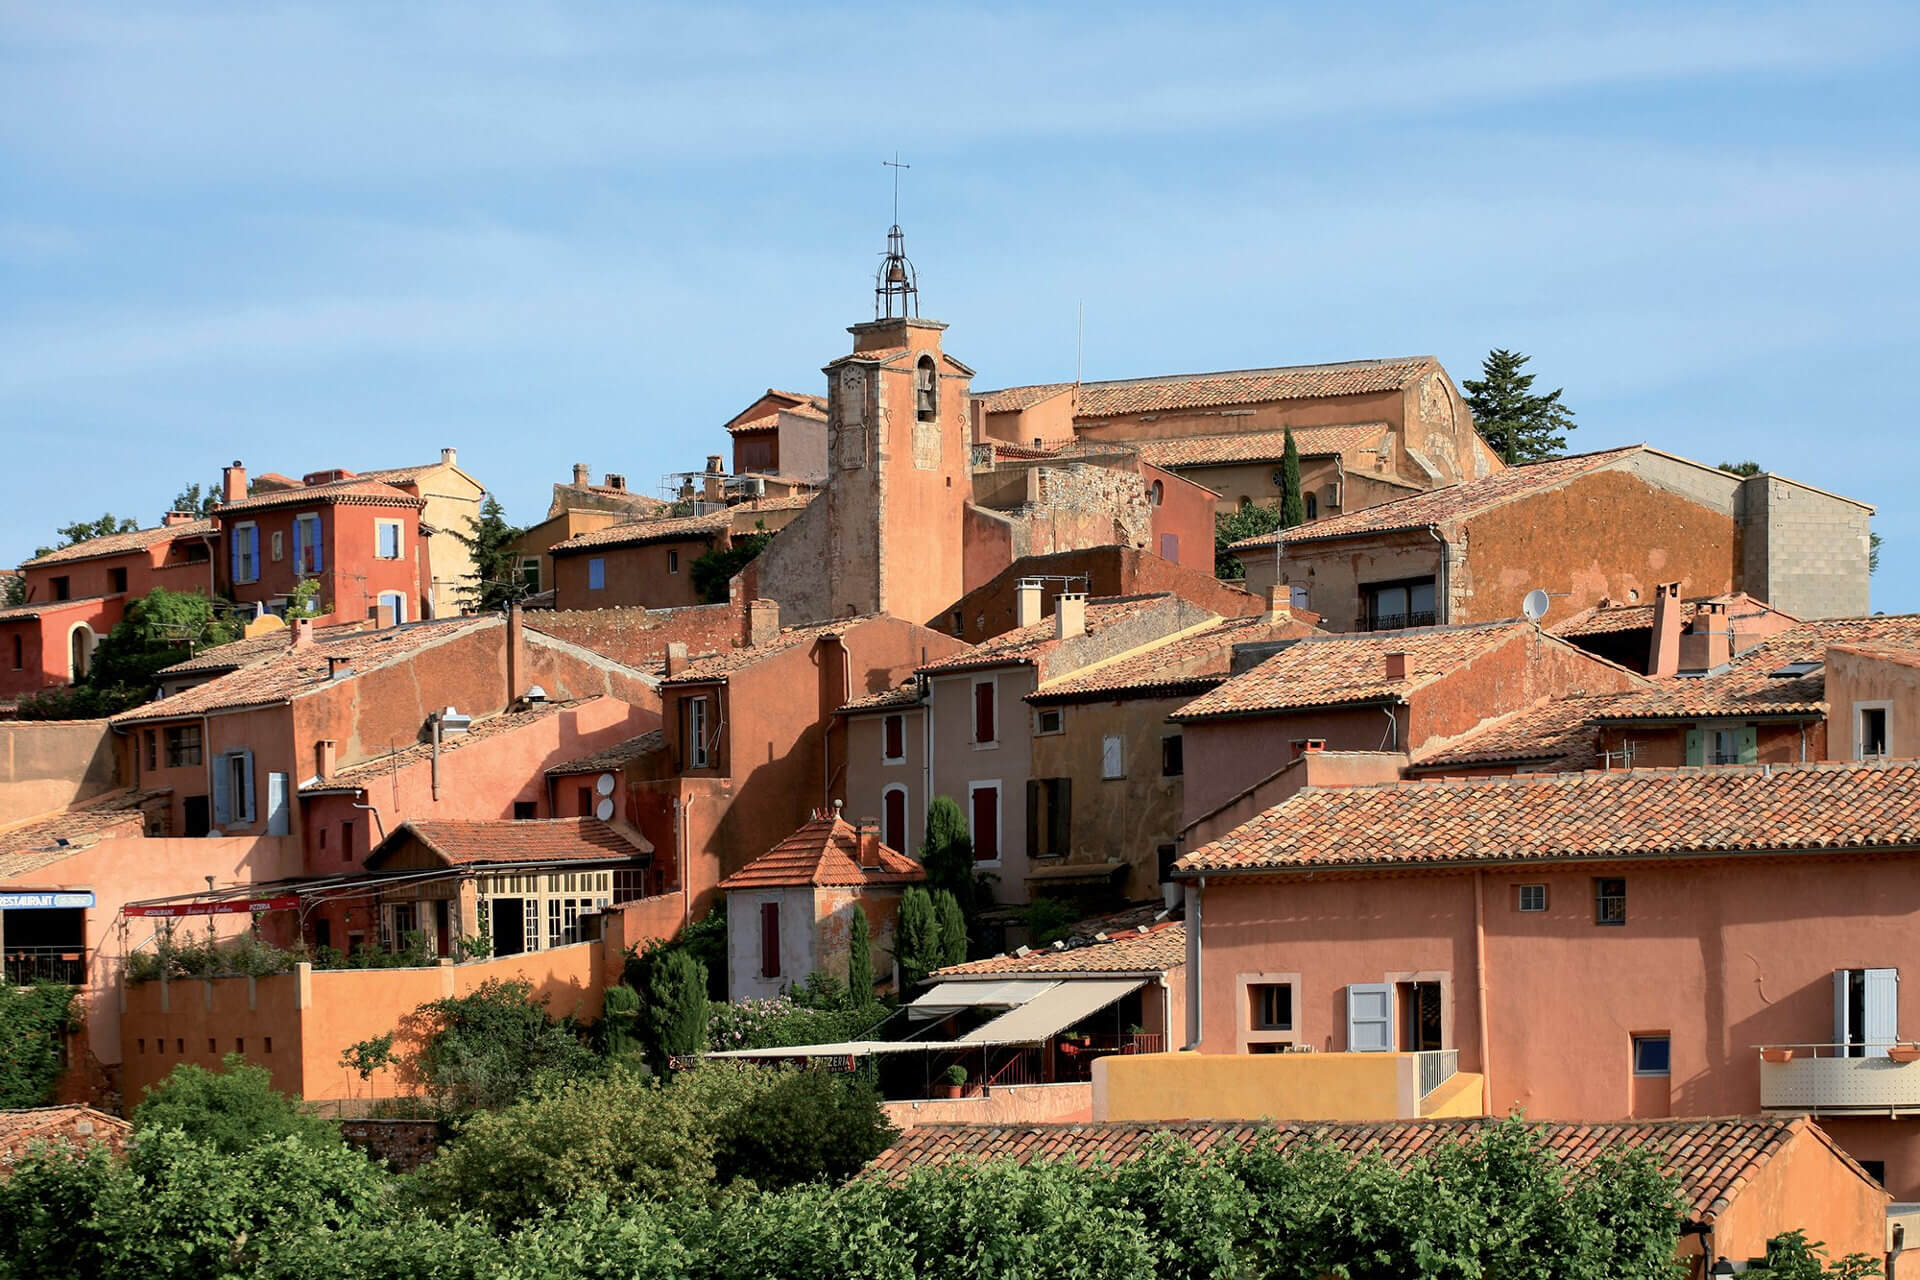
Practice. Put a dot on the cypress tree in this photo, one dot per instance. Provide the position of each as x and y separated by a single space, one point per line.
859 958
1293 508
918 940
953 928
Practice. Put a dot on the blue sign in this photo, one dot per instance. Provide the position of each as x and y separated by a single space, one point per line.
43 901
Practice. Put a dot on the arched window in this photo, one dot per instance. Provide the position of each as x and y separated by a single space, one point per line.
80 642
893 820
1313 507
926 392
1246 504
1157 493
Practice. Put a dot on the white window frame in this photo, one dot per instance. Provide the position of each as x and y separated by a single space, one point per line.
1633 1050
93 647
399 528
973 712
533 563
906 816
901 716
673 560
278 545
246 535
699 755
1859 729
1113 758
1246 1033
999 819
596 573
399 601
1060 721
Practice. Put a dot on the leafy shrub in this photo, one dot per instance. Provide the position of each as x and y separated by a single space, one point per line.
673 1022
247 955
810 1125
33 1030
230 1110
481 1052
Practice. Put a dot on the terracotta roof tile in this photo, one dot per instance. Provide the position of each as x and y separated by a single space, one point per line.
1150 950
1897 654
651 529
28 846
718 666
245 652
1324 671
505 841
1030 644
765 422
611 759
1557 734
355 491
362 772
1725 809
1714 1159
116 544
64 1126
1453 502
1190 662
1013 399
894 699
637 502
823 852
1255 446
1238 386
24 612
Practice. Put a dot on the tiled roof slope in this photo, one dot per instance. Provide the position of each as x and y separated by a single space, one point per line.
115 544
245 652
1254 446
356 491
22 612
1013 399
1726 809
1453 502
1030 644
466 844
1323 671
1611 619
1154 950
1748 687
1713 1159
718 666
364 771
1236 386
73 1127
31 845
609 759
634 533
894 699
824 852
1190 662
298 671
1557 734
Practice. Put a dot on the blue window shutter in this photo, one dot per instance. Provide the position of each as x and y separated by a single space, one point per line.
222 802
1696 747
253 536
1749 745
243 803
317 540
299 532
233 555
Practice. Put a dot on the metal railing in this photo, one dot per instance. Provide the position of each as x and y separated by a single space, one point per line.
1396 621
1841 1079
1437 1066
27 965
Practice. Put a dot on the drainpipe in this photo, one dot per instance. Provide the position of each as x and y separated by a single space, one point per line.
926 765
1442 610
1195 958
434 719
1393 729
378 825
206 762
685 805
1480 988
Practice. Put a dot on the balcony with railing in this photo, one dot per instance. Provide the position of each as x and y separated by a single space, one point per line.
1837 1079
25 966
1395 621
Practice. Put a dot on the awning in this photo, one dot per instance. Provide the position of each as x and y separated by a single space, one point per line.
841 1049
948 996
1052 1011
1077 871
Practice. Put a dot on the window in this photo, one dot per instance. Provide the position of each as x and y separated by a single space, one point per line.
530 572
1173 756
1049 817
1870 732
985 703
959 627
1157 493
1530 897
597 573
386 540
306 544
183 746
153 749
246 552
926 392
524 810
346 841
769 939
673 562
1049 720
233 789
1393 605
583 801
1609 901
279 804
117 581
397 603
1421 1016
1738 744
1866 1011
893 818
323 837
1113 757
984 800
274 546
893 740
19 652
1311 505
1271 1006
62 588
1652 1055
197 553
80 646
694 748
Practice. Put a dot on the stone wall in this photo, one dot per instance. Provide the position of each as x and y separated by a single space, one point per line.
1805 552
638 637
1001 1104
404 1145
47 765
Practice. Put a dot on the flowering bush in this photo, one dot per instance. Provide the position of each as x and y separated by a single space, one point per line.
780 1021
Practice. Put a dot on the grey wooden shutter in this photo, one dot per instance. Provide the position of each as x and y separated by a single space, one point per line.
1370 1018
279 817
222 802
1882 1010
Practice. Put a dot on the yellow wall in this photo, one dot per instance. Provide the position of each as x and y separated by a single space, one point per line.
1270 1086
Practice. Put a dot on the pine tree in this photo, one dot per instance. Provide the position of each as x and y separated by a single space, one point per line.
197 500
495 582
953 928
918 939
1519 426
1293 509
1229 527
859 958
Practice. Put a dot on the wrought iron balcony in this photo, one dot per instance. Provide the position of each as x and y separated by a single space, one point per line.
1823 1080
1395 621
25 966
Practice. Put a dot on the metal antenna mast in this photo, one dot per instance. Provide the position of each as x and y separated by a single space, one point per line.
895 288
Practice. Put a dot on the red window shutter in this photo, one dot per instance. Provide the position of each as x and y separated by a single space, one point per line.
896 737
983 712
986 826
769 939
895 836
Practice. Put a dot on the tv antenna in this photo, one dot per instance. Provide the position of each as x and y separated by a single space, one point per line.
896 165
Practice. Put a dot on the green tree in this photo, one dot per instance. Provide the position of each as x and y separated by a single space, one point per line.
859 954
917 940
713 572
674 1022
200 502
33 1029
495 582
159 629
1293 508
620 1021
1873 553
810 1125
1747 468
1229 527
87 530
231 1110
947 854
1518 425
13 590
480 1052
953 928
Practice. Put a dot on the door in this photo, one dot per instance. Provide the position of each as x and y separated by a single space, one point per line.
197 815
1420 1022
509 926
1866 1011
894 820
1370 1018
442 945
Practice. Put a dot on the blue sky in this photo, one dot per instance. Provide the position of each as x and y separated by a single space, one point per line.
346 235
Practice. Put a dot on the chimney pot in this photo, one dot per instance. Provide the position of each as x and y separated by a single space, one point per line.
1279 603
616 481
580 474
713 465
1396 666
233 482
1069 614
324 750
676 658
1028 602
1664 657
869 841
449 457
302 633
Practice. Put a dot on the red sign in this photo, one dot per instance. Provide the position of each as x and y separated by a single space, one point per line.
231 907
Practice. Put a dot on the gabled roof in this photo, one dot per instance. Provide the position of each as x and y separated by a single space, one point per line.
1723 809
297 671
356 491
612 759
515 841
1238 386
73 1127
1326 671
824 852
1714 1160
1186 663
118 544
897 698
1144 949
1454 502
27 612
651 529
1556 734
1255 446
1027 645
1014 399
246 651
362 772
1611 618
718 666
28 846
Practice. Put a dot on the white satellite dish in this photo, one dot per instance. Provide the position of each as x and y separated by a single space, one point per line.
604 784
604 810
1535 605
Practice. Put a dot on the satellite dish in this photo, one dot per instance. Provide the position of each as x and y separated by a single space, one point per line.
604 810
1535 605
604 784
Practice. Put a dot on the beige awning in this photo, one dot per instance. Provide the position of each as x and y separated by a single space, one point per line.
1052 1011
948 996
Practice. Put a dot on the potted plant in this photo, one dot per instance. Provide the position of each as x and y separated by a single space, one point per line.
1904 1052
953 1081
1776 1055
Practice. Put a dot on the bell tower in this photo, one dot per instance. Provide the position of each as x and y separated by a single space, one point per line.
898 457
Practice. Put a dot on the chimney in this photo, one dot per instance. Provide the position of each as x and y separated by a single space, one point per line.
1069 614
676 658
1708 643
1396 666
763 623
1027 602
382 617
616 481
323 757
580 474
302 633
869 842
516 653
1663 658
233 482
1279 603
713 465
1308 746
177 517
449 457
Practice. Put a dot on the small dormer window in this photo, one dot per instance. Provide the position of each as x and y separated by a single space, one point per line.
926 395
